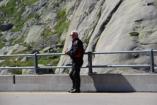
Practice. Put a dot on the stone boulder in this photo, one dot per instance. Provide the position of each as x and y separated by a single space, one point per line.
6 27
34 34
3 2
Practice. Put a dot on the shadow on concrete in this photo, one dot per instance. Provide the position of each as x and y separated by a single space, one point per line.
111 83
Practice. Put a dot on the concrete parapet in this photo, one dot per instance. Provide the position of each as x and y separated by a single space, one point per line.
42 83
92 83
6 83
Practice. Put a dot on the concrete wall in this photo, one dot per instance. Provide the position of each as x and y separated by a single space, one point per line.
101 82
6 83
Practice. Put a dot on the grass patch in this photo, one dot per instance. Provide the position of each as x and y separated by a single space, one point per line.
47 32
13 11
33 15
2 41
10 8
49 60
2 44
17 40
29 2
17 72
12 62
62 22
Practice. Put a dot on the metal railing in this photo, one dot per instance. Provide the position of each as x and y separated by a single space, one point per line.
90 66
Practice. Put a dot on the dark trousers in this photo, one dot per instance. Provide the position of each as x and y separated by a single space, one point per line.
75 74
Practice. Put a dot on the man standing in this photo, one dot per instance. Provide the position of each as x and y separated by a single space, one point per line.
76 54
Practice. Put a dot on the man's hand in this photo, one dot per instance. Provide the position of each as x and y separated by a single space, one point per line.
66 51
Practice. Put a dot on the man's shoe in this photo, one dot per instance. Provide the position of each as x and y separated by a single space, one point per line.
70 90
75 91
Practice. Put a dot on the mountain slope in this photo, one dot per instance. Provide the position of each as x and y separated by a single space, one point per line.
103 25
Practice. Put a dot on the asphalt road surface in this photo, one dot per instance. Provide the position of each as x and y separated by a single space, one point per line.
63 98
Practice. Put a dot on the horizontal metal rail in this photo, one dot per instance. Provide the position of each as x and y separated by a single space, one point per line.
53 67
116 52
31 55
103 66
32 67
14 55
94 66
90 65
107 52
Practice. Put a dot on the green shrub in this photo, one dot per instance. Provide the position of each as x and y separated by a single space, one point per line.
1 44
62 22
47 32
13 11
10 8
18 72
53 60
13 63
29 2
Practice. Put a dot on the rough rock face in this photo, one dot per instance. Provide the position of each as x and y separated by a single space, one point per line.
34 34
103 25
3 2
138 17
109 26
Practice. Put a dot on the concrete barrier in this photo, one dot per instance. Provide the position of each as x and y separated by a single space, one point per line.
42 83
6 83
96 82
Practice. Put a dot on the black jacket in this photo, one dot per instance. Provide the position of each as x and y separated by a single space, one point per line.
76 51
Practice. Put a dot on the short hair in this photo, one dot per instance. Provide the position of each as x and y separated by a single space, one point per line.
74 33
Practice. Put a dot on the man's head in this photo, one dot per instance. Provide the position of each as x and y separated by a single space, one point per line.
74 35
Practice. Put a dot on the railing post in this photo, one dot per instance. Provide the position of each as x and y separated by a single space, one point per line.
90 63
14 79
151 60
36 62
